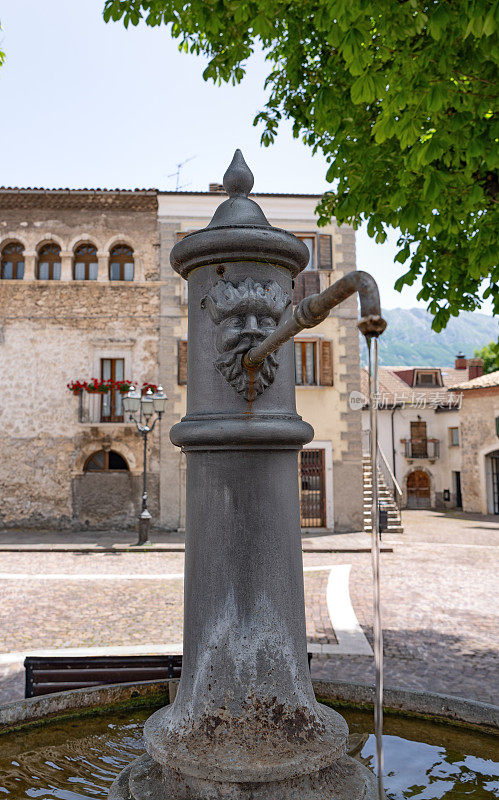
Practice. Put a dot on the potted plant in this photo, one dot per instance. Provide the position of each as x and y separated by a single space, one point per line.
124 386
76 387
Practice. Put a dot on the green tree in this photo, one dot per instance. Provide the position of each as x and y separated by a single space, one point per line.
401 98
490 355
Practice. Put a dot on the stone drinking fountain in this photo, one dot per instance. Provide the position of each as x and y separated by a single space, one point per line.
245 722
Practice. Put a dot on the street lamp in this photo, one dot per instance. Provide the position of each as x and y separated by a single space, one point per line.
148 405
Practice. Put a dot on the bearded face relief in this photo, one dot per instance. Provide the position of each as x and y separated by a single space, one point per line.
245 314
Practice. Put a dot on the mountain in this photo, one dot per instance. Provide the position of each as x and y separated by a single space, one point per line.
410 341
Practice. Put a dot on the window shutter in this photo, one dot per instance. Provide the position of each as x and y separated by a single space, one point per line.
182 361
181 234
326 362
325 251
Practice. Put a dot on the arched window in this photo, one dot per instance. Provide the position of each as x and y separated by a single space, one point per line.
121 263
12 266
48 266
105 460
85 263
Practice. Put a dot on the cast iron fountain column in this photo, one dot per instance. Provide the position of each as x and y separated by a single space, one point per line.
245 722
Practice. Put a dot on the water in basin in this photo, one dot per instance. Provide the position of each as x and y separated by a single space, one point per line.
79 759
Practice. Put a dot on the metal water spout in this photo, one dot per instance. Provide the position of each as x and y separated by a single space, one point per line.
245 724
314 309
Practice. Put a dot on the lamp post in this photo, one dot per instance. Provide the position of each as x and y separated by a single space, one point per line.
147 405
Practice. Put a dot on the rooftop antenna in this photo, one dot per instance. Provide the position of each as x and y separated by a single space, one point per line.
176 174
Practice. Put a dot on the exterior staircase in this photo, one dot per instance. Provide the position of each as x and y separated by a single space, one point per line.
384 496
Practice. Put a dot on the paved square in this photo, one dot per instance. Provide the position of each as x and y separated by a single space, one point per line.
440 617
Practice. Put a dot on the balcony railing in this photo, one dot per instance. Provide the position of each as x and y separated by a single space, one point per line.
422 448
311 282
100 408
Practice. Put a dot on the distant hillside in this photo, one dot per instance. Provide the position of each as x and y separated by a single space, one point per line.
409 339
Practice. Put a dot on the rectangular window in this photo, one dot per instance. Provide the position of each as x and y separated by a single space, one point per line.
43 270
49 271
86 271
112 369
128 276
114 271
427 379
79 271
8 271
305 358
454 437
310 242
121 271
320 248
314 363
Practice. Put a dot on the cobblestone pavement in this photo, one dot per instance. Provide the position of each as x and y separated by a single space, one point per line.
440 616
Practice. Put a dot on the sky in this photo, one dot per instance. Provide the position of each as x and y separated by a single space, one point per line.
90 104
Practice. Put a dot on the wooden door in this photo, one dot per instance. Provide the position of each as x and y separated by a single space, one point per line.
419 441
312 489
418 489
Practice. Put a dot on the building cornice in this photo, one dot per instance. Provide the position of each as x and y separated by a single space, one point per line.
115 199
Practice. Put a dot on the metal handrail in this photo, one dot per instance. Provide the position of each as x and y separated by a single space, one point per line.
383 464
397 491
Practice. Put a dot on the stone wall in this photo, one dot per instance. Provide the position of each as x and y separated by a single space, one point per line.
57 331
479 439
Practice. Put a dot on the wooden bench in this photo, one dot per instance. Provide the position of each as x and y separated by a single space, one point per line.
46 674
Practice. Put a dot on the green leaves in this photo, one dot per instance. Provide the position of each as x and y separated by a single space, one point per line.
436 97
403 254
433 185
439 20
351 45
490 355
363 90
400 99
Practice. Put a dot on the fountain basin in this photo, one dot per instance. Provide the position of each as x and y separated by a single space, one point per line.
73 744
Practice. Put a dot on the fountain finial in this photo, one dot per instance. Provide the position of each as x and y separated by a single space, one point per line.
238 179
239 231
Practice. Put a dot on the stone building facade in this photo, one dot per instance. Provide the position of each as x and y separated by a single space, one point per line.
71 315
419 430
97 295
327 359
479 425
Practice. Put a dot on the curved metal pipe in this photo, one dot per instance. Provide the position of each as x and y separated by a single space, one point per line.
314 309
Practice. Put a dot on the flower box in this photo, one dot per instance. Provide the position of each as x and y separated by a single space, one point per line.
94 386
